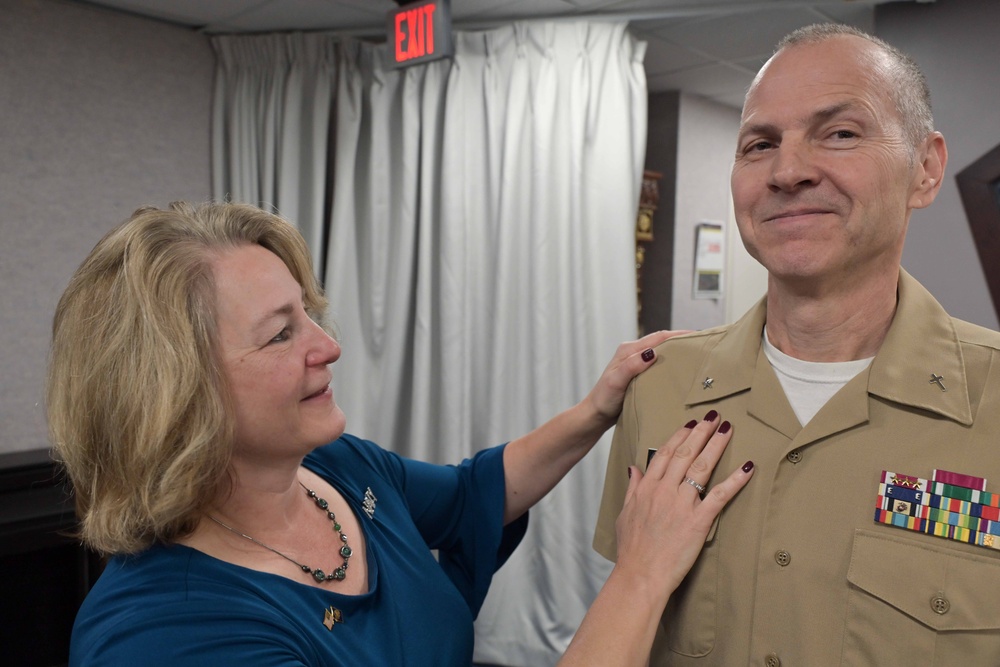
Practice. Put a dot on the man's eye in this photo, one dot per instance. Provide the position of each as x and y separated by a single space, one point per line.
758 146
844 134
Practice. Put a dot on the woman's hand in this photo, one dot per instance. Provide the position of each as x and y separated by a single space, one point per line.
661 530
665 520
535 462
630 359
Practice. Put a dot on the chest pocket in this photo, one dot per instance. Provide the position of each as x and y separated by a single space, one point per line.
689 622
915 603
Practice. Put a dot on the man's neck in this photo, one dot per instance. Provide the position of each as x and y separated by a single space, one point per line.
836 322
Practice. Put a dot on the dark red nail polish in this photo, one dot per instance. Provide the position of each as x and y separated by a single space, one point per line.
711 416
748 466
647 355
724 427
691 424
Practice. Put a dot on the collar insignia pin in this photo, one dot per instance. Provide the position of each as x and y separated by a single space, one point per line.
331 617
368 504
938 380
707 384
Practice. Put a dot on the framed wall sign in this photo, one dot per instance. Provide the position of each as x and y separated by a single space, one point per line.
709 261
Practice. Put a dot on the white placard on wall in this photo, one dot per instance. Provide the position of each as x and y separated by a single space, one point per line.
709 261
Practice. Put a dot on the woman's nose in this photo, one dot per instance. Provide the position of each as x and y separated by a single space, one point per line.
325 349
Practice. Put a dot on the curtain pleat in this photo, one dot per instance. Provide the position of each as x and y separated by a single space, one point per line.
271 123
479 254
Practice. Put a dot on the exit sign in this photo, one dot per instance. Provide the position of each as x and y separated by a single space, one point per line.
419 32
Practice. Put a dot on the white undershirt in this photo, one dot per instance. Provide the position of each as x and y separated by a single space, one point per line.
809 385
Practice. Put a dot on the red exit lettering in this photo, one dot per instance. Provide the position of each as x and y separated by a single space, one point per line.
415 33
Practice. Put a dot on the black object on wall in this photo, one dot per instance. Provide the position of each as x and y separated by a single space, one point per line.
979 187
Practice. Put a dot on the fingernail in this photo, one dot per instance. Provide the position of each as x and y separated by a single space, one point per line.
747 467
724 427
711 416
691 424
647 355
630 471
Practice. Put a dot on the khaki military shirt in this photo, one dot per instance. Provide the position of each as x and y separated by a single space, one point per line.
796 572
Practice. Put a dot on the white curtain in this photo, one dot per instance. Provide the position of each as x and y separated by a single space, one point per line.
480 268
271 124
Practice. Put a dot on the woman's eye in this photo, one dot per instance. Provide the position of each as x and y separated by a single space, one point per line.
281 337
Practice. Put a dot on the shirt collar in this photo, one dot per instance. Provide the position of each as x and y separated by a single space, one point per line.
921 344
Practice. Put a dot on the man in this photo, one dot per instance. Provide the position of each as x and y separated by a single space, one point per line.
848 386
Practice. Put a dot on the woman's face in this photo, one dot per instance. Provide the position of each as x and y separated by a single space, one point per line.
275 358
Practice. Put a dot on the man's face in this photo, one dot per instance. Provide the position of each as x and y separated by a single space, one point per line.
824 179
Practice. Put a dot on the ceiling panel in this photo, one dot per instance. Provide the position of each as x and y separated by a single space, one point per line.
711 48
298 15
504 9
721 82
737 36
194 13
663 56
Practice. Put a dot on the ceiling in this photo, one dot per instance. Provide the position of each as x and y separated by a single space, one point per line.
711 48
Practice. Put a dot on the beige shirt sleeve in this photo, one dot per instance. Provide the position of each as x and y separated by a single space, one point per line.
616 477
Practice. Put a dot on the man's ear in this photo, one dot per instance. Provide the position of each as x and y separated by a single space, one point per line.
933 156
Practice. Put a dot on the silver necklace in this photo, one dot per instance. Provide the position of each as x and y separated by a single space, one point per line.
345 551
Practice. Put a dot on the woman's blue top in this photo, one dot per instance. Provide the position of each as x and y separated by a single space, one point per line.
176 606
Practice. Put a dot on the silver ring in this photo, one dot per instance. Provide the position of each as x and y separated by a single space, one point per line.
701 489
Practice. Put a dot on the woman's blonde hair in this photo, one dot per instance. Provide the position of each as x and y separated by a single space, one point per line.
137 401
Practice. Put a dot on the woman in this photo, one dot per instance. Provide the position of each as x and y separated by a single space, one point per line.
189 400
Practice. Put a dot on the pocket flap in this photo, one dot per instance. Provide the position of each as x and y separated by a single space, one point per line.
945 589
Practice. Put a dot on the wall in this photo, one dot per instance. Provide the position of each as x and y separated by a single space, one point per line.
101 112
706 146
955 44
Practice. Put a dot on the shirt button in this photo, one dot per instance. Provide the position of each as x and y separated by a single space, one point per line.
782 557
772 660
940 604
794 456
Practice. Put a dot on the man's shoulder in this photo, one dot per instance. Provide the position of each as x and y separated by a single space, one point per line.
690 347
974 334
680 357
687 342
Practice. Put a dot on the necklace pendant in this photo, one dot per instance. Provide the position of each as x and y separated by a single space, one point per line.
317 574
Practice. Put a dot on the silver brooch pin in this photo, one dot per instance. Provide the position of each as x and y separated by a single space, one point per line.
368 504
707 384
938 380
